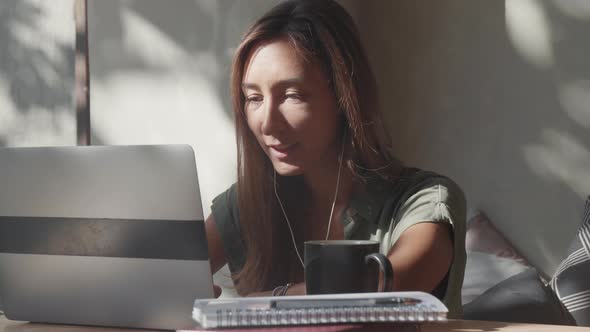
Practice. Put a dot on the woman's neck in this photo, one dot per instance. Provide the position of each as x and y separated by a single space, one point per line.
322 184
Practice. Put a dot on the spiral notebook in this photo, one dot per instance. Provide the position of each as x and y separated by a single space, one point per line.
319 309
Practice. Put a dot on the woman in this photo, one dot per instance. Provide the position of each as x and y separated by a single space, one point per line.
314 163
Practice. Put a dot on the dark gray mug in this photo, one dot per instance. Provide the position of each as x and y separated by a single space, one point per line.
346 266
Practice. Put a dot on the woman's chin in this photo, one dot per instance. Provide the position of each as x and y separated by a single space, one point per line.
284 169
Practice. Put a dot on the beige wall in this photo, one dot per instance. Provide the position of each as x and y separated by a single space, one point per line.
496 95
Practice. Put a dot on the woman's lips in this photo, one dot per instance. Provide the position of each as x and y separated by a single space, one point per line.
281 151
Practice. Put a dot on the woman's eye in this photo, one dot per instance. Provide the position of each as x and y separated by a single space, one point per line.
294 96
253 99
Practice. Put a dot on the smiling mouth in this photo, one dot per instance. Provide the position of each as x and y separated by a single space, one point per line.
281 151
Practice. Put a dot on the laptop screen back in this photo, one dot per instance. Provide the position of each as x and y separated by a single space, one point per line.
102 235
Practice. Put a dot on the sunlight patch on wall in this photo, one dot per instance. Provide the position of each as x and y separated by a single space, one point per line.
57 19
53 26
579 9
145 41
172 96
560 157
528 29
148 108
575 99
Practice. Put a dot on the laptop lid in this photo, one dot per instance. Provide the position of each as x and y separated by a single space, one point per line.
102 235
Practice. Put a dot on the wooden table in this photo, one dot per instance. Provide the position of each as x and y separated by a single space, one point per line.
451 325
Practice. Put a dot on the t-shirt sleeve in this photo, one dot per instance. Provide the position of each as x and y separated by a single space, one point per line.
437 199
225 214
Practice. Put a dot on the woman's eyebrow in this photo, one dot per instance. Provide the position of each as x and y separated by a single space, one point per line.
281 83
290 81
249 85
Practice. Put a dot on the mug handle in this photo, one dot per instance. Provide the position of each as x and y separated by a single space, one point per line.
385 268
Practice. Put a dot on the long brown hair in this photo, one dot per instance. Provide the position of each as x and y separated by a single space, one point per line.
323 31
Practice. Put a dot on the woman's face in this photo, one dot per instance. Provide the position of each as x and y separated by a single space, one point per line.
290 108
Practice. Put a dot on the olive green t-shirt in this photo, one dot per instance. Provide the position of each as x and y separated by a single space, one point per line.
382 211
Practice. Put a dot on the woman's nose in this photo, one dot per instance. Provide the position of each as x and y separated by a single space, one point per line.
271 123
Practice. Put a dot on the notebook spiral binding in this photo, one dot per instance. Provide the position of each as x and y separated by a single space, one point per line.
269 317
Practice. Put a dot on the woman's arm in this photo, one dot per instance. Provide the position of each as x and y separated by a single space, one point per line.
421 257
215 246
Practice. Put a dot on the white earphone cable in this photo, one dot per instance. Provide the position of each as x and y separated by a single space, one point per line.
331 210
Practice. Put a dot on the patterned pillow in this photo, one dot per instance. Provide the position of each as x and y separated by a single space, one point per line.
571 281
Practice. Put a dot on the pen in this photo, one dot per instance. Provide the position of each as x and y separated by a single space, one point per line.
327 303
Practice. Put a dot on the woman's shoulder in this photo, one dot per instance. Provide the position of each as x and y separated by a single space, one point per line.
225 208
411 180
419 179
416 195
413 195
228 196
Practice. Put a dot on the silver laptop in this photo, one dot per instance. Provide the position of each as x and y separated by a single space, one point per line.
102 235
